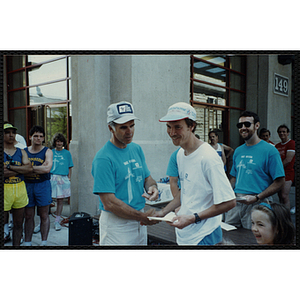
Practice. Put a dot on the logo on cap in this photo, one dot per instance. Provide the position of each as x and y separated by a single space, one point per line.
124 109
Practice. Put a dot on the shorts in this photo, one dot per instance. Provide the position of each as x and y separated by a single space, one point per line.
60 185
15 196
290 175
240 215
117 231
39 194
212 239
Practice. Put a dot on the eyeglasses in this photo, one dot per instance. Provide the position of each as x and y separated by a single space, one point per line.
247 124
10 159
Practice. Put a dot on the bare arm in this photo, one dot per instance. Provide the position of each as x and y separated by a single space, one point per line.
25 168
46 166
70 173
173 185
228 149
289 157
116 206
151 189
215 210
232 182
273 188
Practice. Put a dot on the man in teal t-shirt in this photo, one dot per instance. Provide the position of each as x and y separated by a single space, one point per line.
123 181
257 171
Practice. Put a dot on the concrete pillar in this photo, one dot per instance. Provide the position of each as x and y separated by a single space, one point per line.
90 98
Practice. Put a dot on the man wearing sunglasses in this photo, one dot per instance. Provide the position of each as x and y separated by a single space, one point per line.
257 171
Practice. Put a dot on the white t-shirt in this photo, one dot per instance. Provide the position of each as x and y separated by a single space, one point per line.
203 183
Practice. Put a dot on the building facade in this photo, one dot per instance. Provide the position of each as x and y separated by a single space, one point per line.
71 94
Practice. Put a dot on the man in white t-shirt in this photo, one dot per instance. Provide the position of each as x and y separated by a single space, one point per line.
206 192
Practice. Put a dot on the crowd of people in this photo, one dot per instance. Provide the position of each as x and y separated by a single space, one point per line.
33 177
205 192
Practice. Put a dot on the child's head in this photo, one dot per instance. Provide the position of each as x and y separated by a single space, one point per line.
272 224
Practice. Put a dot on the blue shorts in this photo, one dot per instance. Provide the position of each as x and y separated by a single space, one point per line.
214 238
39 194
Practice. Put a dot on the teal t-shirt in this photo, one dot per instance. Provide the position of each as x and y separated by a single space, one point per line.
172 169
121 172
62 161
256 167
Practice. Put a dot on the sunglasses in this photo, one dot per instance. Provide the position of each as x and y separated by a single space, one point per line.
247 124
10 159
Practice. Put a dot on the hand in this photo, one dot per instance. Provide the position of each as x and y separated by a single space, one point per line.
149 213
250 199
182 221
152 193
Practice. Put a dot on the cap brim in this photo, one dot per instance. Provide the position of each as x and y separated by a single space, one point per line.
170 118
125 119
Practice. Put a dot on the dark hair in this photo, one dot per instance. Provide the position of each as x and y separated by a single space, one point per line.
58 137
280 218
248 113
213 131
191 123
283 126
37 128
264 130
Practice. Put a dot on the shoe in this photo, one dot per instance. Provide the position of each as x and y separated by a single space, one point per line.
7 238
10 226
293 210
37 229
57 226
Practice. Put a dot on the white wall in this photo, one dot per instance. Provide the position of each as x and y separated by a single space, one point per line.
151 83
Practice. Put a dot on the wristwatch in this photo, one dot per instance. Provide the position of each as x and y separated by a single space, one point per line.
257 198
197 218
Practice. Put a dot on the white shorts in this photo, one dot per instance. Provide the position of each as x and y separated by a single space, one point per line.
120 232
60 186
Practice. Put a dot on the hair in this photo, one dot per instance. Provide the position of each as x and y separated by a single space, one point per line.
37 128
213 131
191 123
58 137
112 124
283 126
264 130
281 221
248 113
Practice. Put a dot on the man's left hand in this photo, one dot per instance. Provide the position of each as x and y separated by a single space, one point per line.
152 193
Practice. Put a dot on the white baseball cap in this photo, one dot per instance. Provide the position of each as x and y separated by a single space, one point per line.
120 113
179 111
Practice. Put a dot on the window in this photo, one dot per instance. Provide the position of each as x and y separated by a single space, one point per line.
218 93
38 88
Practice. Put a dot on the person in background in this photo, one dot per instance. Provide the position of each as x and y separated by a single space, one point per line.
272 224
60 174
38 185
205 189
265 135
15 164
257 171
287 153
122 180
219 147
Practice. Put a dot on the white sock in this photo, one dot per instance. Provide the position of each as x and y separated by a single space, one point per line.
44 243
57 219
27 244
6 229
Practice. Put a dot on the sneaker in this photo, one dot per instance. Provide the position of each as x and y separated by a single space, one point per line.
7 238
57 226
10 226
293 210
37 229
